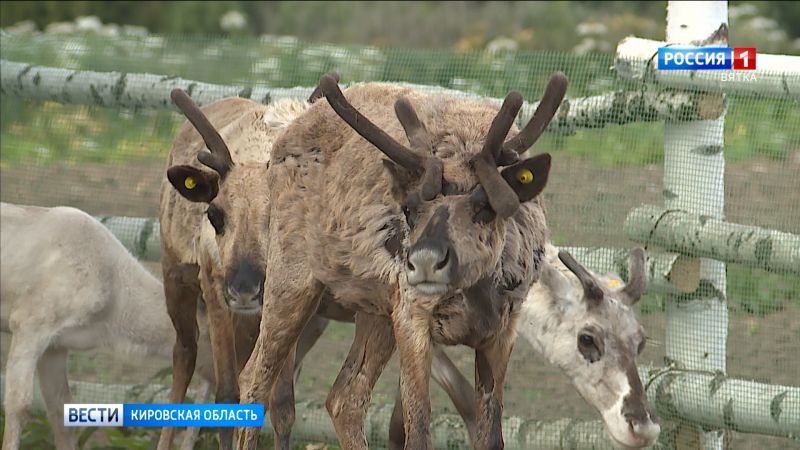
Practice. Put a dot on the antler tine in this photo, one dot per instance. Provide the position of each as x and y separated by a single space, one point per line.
420 138
417 134
220 157
368 130
637 279
502 198
553 95
317 94
590 288
502 123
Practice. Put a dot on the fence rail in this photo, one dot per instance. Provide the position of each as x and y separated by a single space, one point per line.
142 90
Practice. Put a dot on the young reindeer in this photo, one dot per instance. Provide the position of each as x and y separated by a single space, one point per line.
588 328
213 226
67 284
433 245
186 232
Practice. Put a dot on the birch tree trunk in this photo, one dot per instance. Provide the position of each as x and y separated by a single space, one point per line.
706 399
776 76
140 235
715 401
667 273
697 324
697 235
139 90
121 89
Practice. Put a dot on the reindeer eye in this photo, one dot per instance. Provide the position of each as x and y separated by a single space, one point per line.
409 215
589 348
217 218
641 347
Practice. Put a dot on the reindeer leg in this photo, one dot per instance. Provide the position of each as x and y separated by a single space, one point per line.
181 290
289 303
415 346
397 432
491 363
311 334
223 349
460 390
27 346
349 398
282 413
52 374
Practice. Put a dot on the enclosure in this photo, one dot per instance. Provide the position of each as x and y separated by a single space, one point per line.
689 170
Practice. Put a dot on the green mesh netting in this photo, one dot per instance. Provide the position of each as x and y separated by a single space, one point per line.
109 161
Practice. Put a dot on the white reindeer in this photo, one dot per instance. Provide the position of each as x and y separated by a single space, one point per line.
67 284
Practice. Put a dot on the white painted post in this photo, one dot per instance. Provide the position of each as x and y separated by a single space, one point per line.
694 167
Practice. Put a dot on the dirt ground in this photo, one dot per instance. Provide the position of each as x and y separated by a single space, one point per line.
760 348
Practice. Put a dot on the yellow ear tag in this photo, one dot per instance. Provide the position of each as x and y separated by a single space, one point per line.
190 183
525 176
612 283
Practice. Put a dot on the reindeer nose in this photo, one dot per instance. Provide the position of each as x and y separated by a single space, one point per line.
432 260
244 288
429 263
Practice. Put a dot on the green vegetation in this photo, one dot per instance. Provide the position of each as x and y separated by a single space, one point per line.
430 24
73 134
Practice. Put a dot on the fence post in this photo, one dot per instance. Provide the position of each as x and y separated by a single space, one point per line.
694 166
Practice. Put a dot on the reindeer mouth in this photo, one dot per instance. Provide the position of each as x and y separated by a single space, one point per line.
431 288
245 310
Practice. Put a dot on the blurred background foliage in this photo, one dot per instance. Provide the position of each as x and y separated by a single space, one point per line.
580 26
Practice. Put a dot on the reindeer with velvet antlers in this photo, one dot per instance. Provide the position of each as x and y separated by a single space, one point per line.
432 245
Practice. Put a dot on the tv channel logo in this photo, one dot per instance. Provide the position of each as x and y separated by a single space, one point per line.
163 415
707 58
92 415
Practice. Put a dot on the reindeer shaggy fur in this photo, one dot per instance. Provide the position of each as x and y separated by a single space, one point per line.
555 316
364 228
585 325
213 227
67 284
207 185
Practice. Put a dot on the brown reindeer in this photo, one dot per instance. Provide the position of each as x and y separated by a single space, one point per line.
213 227
581 323
433 245
212 244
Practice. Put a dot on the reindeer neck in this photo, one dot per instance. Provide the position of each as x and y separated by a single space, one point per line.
541 318
140 314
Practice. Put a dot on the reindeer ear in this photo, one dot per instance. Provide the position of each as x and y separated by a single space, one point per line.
637 279
400 180
555 281
529 177
194 184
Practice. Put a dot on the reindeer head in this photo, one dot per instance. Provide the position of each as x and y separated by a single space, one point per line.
237 215
454 200
590 331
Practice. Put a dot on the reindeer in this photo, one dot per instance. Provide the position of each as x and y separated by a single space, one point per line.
586 326
213 228
67 284
186 232
433 245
